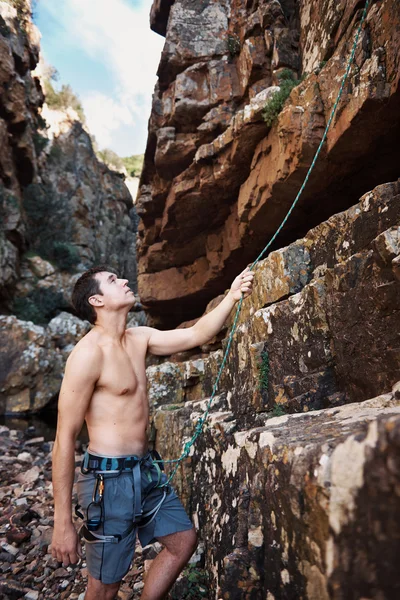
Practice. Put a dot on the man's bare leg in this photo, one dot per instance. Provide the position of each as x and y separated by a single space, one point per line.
97 590
178 548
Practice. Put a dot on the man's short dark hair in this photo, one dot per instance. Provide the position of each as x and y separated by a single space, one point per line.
87 286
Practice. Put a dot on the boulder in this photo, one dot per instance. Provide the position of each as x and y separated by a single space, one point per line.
32 360
301 506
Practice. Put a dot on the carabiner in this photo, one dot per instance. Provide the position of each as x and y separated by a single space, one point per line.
98 488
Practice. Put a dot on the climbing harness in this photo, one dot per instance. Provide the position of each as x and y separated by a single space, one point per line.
201 420
108 467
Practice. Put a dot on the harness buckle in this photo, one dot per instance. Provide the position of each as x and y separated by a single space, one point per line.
111 464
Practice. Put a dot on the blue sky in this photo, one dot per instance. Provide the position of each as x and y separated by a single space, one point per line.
106 51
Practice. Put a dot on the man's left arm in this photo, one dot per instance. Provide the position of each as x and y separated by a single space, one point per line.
178 340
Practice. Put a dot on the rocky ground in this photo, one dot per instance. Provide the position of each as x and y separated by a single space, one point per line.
27 569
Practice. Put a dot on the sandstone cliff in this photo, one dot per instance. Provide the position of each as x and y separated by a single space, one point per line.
217 180
294 483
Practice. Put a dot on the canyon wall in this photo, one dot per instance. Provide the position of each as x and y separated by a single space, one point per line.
217 180
294 483
61 212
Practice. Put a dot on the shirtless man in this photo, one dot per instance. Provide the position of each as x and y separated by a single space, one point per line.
121 489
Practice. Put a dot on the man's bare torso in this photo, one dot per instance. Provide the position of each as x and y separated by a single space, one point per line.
117 416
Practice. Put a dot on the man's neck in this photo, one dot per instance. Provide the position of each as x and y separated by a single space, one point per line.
112 325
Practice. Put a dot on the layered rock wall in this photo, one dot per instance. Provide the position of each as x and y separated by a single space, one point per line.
297 469
217 181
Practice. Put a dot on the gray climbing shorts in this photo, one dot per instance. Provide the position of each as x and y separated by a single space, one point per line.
109 562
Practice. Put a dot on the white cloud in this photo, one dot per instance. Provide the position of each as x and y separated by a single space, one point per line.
104 115
117 34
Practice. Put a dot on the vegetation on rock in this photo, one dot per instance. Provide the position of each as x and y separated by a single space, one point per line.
50 225
273 107
111 159
39 306
192 585
133 164
23 10
234 44
263 371
62 99
277 411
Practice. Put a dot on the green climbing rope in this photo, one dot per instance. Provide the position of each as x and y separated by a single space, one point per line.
201 420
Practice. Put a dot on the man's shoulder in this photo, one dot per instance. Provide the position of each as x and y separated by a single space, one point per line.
141 332
87 349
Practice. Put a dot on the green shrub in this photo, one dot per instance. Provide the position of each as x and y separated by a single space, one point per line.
320 66
40 142
50 225
263 371
65 255
48 214
275 104
4 28
111 158
65 98
41 122
172 406
278 411
55 153
134 164
194 585
9 206
39 306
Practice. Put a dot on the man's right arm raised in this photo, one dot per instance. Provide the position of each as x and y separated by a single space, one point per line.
81 374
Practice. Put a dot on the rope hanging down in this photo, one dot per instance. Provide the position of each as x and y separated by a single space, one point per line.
200 422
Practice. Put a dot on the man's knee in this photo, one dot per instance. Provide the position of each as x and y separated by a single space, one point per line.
181 544
101 591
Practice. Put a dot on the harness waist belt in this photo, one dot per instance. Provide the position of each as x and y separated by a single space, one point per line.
92 462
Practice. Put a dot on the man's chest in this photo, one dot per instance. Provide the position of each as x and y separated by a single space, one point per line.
123 372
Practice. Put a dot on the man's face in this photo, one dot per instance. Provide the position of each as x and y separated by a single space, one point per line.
115 292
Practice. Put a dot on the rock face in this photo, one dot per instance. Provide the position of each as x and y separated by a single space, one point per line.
20 98
297 470
217 181
61 210
295 506
32 360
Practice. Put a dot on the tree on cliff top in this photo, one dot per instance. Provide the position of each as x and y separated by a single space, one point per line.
133 164
65 98
111 159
